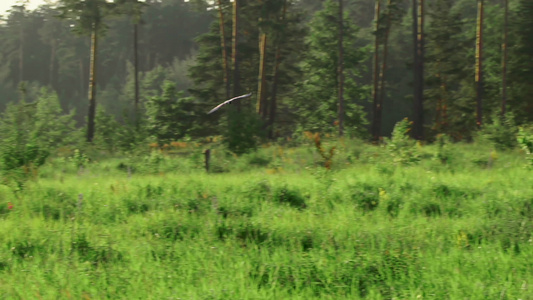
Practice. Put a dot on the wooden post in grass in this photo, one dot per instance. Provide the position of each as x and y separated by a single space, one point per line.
207 154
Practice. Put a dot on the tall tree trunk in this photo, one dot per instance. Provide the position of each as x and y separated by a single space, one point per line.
418 28
92 86
381 93
479 65
136 70
341 69
261 89
504 56
375 79
235 54
224 50
275 77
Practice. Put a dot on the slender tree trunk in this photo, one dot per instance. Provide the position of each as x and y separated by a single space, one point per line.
261 89
375 79
224 50
235 54
421 63
415 54
275 77
381 93
136 70
418 24
92 86
479 65
341 69
504 56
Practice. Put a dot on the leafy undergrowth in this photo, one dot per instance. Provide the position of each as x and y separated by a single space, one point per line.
370 228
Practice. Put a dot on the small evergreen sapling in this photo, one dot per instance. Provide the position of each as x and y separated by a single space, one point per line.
525 140
327 156
401 147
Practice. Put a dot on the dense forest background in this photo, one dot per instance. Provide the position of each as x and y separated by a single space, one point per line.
452 66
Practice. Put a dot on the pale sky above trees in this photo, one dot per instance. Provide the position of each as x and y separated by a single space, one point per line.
5 5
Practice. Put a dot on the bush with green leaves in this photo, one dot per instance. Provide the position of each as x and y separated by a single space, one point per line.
169 116
500 132
154 160
443 153
30 131
400 146
112 135
525 140
79 159
108 130
243 132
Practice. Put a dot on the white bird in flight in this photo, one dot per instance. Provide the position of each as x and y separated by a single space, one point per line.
229 101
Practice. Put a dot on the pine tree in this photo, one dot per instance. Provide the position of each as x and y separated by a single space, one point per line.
316 103
52 128
223 45
235 55
505 51
521 64
133 8
446 56
89 17
279 41
340 69
170 116
479 64
376 109
418 33
283 30
392 15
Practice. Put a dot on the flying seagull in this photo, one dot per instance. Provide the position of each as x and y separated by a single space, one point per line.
229 101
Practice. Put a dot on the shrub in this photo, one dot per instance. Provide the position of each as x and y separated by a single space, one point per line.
326 155
96 255
169 116
258 159
243 132
366 197
29 132
525 140
500 132
443 153
289 196
401 147
79 159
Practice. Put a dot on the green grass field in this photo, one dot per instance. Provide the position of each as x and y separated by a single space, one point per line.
273 225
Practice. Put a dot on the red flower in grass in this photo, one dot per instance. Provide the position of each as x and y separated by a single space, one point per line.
10 206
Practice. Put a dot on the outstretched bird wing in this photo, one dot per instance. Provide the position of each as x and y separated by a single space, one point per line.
228 101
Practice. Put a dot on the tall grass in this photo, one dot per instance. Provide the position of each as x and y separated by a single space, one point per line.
273 225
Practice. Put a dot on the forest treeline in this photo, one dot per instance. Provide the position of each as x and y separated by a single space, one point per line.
123 72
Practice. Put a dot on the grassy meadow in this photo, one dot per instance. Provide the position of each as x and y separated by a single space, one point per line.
434 223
